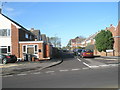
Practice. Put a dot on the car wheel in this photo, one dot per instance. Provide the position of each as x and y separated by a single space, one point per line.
4 61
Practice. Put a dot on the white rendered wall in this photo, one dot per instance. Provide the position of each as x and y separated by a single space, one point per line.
5 24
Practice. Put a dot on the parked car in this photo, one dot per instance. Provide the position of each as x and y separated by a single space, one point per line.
4 59
86 53
79 52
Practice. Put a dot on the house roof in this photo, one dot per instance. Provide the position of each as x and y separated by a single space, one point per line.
16 23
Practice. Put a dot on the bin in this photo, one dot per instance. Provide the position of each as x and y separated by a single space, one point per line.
25 57
29 57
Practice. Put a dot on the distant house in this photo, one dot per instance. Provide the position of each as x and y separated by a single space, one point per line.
37 33
17 40
116 35
75 43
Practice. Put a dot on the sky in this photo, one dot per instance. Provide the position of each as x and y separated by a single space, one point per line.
66 20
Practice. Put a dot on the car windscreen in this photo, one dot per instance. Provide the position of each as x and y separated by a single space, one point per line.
87 50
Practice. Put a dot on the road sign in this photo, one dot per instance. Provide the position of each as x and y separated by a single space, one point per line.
109 50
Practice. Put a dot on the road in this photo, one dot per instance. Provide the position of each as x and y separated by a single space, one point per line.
72 73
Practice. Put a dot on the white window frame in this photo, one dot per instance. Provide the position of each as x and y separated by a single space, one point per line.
35 52
8 30
6 48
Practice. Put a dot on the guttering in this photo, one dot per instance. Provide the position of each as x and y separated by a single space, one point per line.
31 42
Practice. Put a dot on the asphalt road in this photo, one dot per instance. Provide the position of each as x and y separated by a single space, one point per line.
72 73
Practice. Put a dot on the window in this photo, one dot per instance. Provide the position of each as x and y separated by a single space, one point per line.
8 49
30 37
4 32
26 35
5 49
24 49
36 49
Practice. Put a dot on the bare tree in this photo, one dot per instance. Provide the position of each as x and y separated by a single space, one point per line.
56 41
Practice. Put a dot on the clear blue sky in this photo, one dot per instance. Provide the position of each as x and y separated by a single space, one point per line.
64 19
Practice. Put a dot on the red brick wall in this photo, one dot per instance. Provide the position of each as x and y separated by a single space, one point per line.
15 40
40 46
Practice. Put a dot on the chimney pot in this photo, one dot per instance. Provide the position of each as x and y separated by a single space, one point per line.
32 28
0 10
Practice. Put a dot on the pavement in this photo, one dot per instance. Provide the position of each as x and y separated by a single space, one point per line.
19 67
109 59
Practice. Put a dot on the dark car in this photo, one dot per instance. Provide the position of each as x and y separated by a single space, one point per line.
87 53
4 59
79 52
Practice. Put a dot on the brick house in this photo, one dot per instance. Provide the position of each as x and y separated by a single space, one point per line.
116 35
15 39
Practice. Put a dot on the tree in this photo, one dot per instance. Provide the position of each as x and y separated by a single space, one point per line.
56 42
104 41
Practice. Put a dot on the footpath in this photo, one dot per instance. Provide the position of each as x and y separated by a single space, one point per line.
19 67
108 59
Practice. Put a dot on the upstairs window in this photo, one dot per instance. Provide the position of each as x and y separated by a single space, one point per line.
26 35
4 32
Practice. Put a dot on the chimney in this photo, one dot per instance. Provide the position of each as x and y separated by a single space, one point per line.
0 10
111 25
32 29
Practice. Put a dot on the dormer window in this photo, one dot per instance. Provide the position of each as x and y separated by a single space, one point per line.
26 35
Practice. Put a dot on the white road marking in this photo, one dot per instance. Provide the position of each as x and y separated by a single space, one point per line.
28 71
63 70
21 74
104 65
75 69
94 66
86 64
111 59
49 71
8 76
98 58
78 59
113 65
37 73
85 68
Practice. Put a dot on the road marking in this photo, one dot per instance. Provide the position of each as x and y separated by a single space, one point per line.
78 59
75 69
49 71
94 66
86 64
110 59
37 73
85 68
113 65
63 70
99 58
104 65
21 74
28 71
8 76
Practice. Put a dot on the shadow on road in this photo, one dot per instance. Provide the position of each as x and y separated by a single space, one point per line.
67 56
